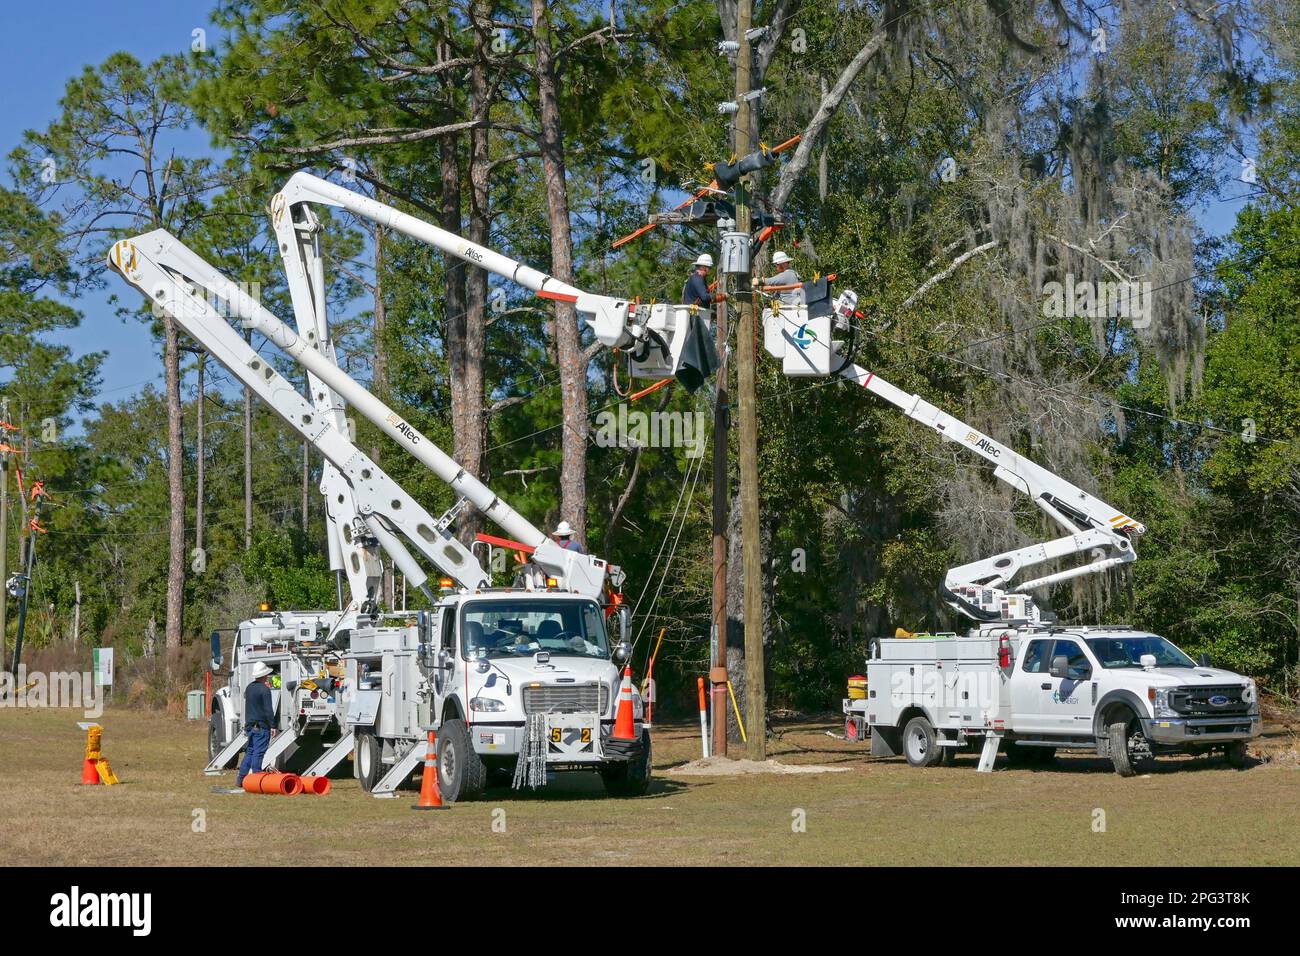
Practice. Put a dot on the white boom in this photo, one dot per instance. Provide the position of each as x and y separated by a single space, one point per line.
659 341
183 285
979 589
135 259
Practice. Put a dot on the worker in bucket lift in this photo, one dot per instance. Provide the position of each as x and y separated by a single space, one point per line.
259 721
696 290
786 277
566 537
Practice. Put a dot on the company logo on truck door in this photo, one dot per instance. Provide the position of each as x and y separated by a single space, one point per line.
406 430
983 444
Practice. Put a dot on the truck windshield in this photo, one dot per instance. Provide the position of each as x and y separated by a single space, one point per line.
523 627
1113 652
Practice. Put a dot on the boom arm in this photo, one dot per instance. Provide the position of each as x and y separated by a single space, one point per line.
614 321
174 278
979 589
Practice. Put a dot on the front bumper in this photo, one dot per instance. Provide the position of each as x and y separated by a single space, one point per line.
1183 731
510 739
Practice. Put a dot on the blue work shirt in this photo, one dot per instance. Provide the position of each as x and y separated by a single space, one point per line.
258 708
696 291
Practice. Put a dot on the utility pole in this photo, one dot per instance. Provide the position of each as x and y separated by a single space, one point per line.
248 458
721 511
200 423
755 690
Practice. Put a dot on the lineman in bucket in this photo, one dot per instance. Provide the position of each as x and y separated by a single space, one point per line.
259 721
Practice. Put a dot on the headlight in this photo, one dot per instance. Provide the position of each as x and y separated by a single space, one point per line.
1248 694
1159 697
489 705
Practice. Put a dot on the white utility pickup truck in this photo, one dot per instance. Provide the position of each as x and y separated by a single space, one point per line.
1125 694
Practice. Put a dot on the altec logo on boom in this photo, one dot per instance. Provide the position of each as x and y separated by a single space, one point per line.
76 909
405 429
983 444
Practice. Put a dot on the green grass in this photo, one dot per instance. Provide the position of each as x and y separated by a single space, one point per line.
1188 812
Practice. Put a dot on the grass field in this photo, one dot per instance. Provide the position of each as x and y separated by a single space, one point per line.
1189 811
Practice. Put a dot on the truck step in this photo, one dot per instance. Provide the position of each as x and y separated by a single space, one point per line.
223 760
331 758
281 748
403 768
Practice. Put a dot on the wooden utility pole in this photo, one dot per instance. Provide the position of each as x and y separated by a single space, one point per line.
199 490
721 512
248 459
755 689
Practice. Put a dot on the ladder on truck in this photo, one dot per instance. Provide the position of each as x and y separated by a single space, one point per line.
402 768
228 753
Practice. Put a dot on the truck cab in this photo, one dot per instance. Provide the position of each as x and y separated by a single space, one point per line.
518 684
1126 694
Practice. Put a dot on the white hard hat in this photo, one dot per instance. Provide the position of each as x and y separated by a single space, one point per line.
705 260
564 530
780 259
260 671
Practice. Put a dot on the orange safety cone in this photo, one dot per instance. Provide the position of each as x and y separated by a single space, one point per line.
89 772
430 794
624 727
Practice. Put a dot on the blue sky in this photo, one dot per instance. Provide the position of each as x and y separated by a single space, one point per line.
41 46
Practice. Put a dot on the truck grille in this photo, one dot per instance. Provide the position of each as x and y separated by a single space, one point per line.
1208 701
566 699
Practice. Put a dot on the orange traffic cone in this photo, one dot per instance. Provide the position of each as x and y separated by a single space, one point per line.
430 795
624 728
89 772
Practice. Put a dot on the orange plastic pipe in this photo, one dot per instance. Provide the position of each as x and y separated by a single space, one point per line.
284 784
315 786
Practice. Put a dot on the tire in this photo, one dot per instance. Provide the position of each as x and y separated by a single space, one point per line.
1237 754
630 778
1122 737
921 743
461 772
216 735
366 760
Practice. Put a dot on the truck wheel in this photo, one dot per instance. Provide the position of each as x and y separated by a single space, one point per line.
1236 754
1129 751
366 759
629 778
461 773
216 735
921 744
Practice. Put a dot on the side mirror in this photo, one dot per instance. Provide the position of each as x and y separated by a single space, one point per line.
624 623
1061 667
1203 660
622 653
216 651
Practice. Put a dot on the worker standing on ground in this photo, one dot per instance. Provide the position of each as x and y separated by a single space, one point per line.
787 276
696 291
259 721
565 537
